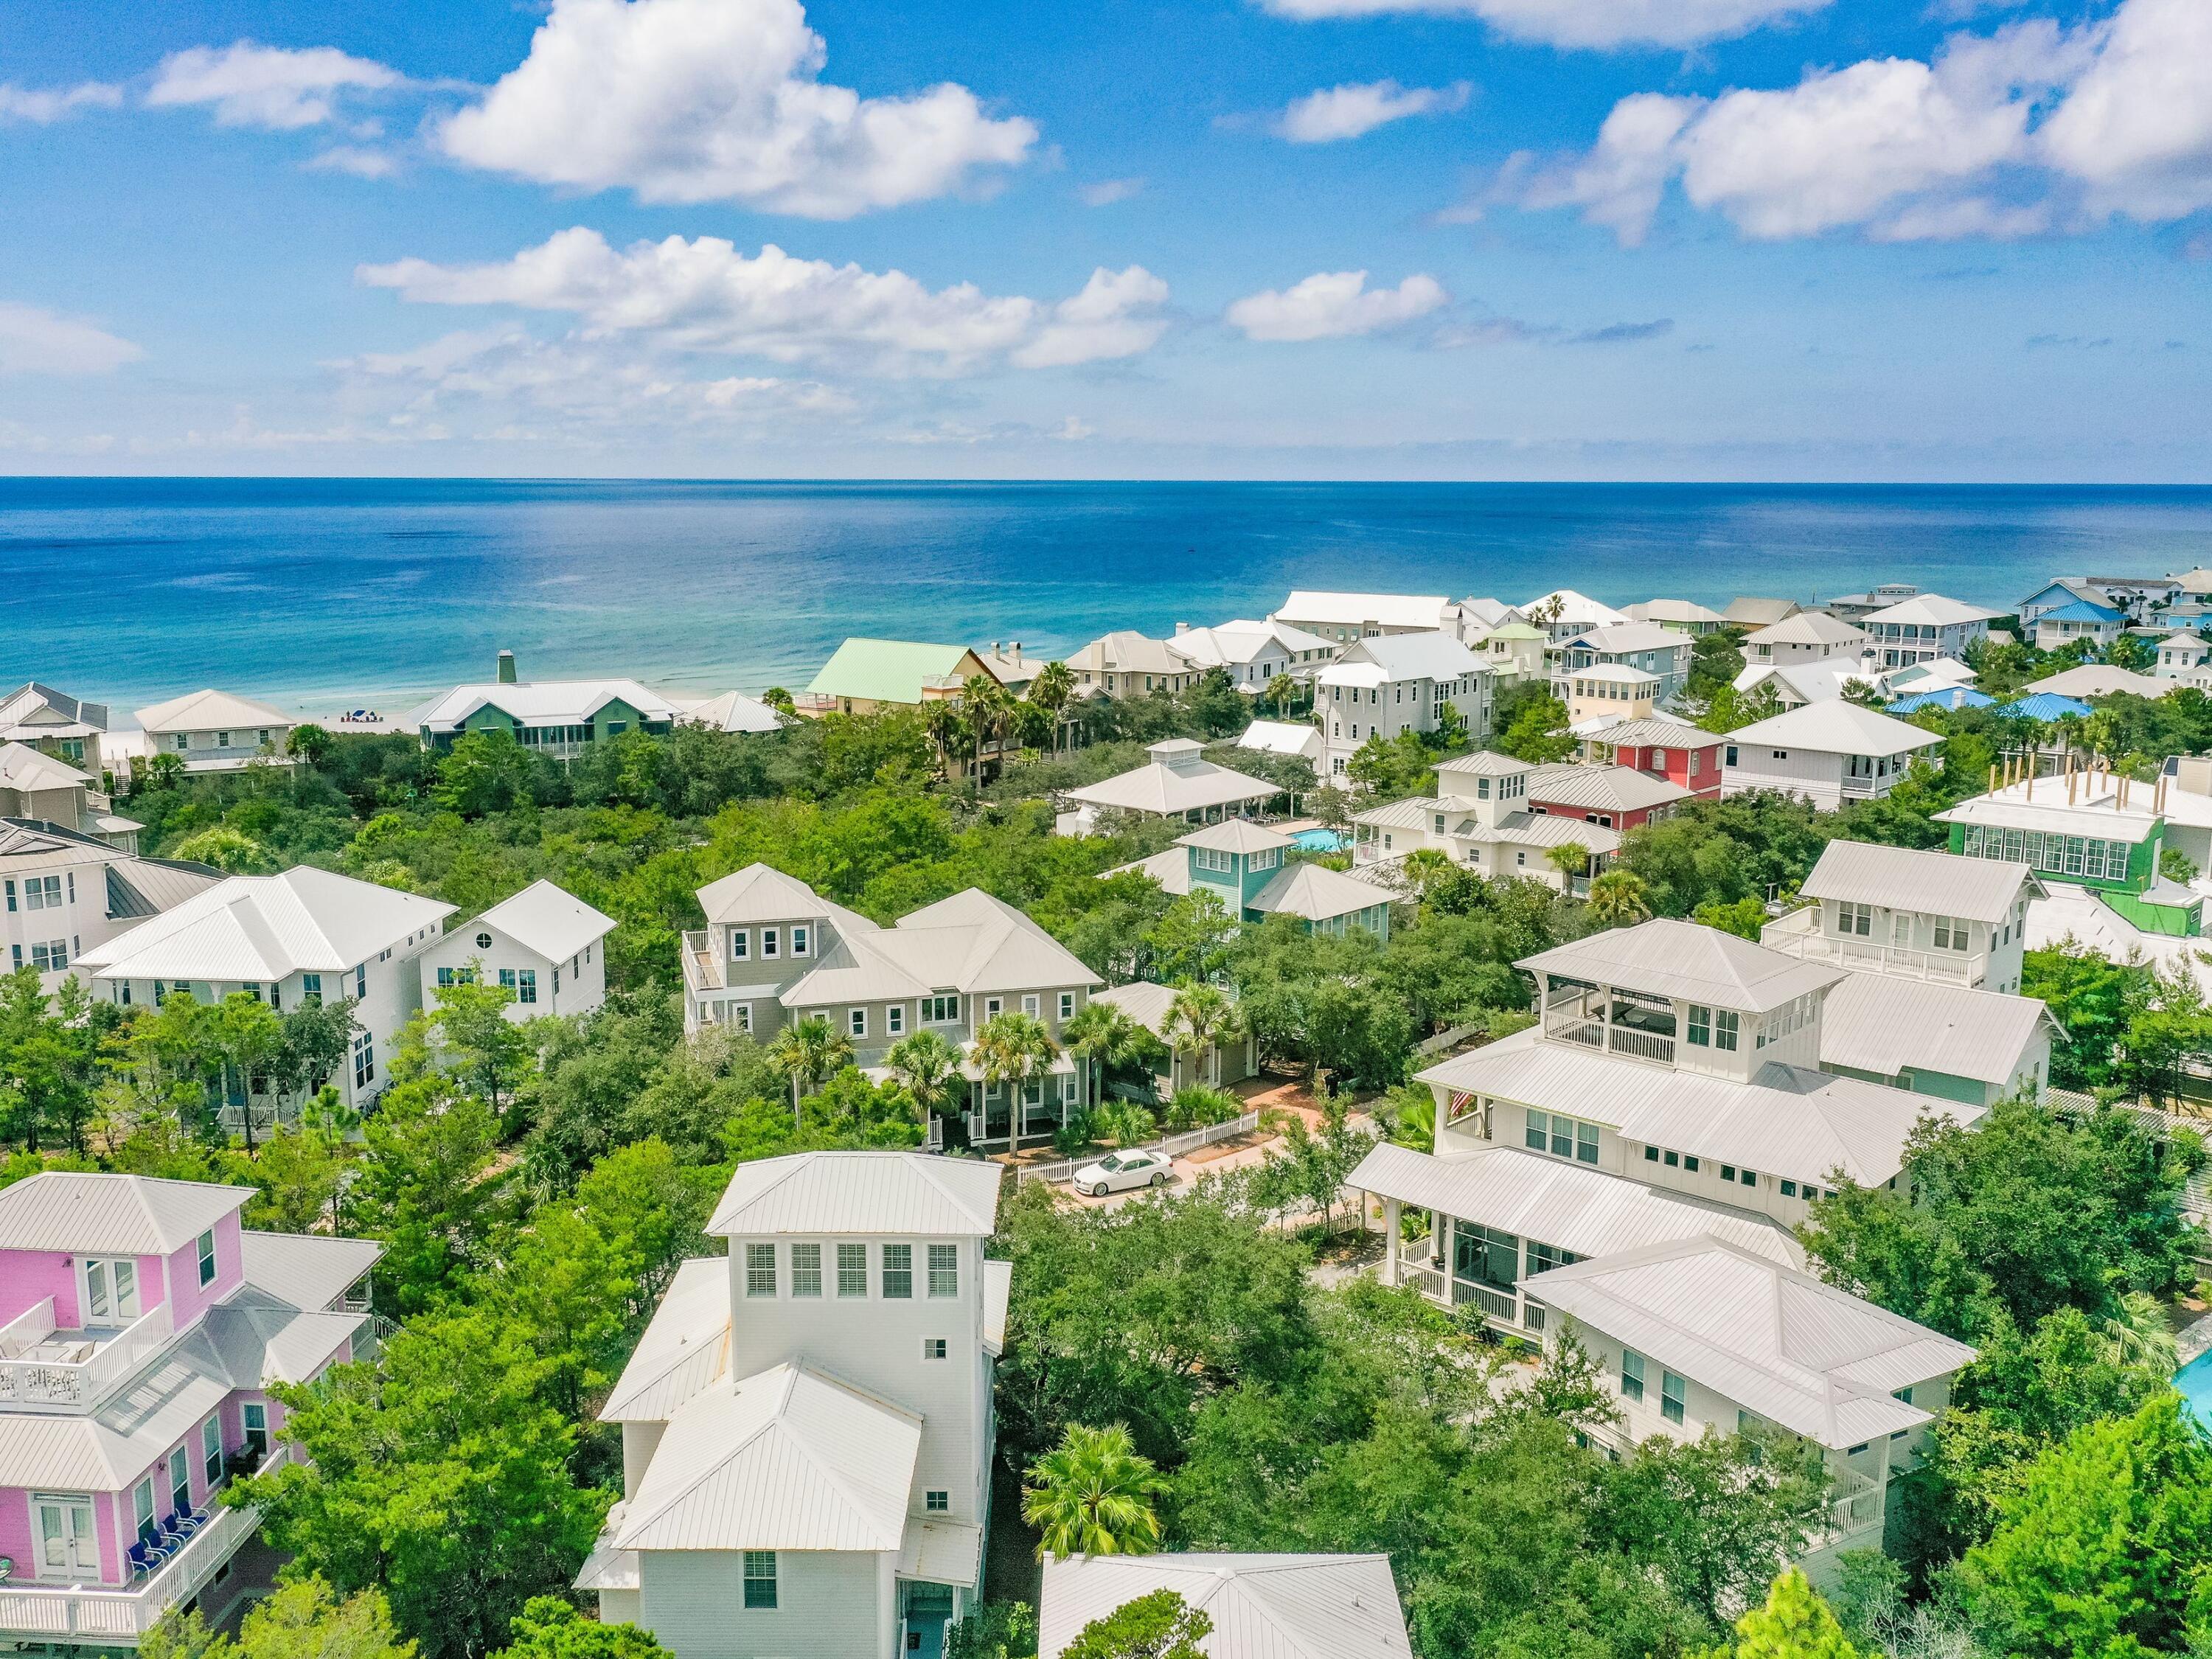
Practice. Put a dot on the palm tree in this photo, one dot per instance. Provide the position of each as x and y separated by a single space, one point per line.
806 1051
1012 1051
1424 867
1570 859
1282 692
1093 1495
1052 690
1616 898
1201 1017
1106 1037
928 1066
941 720
984 702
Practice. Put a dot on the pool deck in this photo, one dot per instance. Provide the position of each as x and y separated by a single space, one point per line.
2193 1339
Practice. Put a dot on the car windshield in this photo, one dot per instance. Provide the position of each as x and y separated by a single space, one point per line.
1109 1162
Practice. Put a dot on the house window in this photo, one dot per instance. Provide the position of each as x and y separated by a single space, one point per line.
760 1578
1747 1178
1725 1027
207 1257
181 1480
111 1290
1856 920
1672 1393
944 1270
184 743
1566 1138
898 1272
211 1452
932 1347
141 1508
934 1502
223 740
801 941
1730 757
310 990
741 944
760 1270
483 941
940 1011
359 982
894 1020
856 1021
364 1061
506 979
1067 1005
807 1270
992 1008
526 986
1700 1032
852 1270
1789 1189
1631 1374
1950 934
257 1428
771 943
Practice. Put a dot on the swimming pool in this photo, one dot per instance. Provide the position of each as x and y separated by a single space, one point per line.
2194 1382
1318 841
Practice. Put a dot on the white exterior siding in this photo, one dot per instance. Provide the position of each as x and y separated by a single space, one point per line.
1817 777
829 1606
574 985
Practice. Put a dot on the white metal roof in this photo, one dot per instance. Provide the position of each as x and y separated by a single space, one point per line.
1809 627
941 1552
760 892
126 1214
1351 610
1907 878
1816 1360
1490 613
1679 611
2095 808
861 1192
1681 959
733 711
307 1270
259 1342
546 918
1126 650
1282 738
116 1444
1546 829
1485 763
1317 893
1242 641
684 1348
1172 790
1263 1606
971 942
789 1458
1787 1121
1631 636
1834 727
1809 682
1612 673
210 711
1568 1206
1143 1001
1237 836
537 702
262 927
1750 610
1429 656
1616 788
22 767
1934 609
1886 1024
2098 680
1934 675
1575 608
1171 869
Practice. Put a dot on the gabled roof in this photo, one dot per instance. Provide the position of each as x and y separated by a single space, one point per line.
1237 836
1317 893
1906 879
262 927
1746 611
1431 656
1809 627
1485 763
1609 788
1683 960
1282 738
2082 610
1241 641
1888 1024
546 918
2099 680
969 942
1834 727
1938 671
760 892
790 1458
536 702
870 1192
684 1349
22 767
122 1214
1350 610
306 1269
1934 609
1630 636
1148 1004
1125 651
1568 1206
1655 732
1814 1359
893 671
208 711
733 711
1262 1606
1491 614
44 712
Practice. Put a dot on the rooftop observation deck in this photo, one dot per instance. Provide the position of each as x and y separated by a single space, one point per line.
46 1368
1799 934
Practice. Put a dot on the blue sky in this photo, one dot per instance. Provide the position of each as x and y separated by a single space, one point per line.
1640 239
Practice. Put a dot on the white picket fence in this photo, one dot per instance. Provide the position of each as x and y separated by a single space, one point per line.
1173 1145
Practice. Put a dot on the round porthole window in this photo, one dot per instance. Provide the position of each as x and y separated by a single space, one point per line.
483 941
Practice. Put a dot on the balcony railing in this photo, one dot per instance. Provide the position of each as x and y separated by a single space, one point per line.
1857 1504
1514 1310
46 1370
94 1614
1799 934
1608 1038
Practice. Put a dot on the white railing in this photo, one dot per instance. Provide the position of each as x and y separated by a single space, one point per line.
1640 1044
1498 1304
1174 1145
1808 943
1858 1501
27 1329
75 1612
79 1385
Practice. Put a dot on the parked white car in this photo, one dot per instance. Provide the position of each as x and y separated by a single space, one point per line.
1117 1172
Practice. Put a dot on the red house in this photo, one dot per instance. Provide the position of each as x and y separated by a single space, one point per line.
1682 755
1613 796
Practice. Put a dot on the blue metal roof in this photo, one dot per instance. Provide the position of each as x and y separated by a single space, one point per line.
2082 610
2046 706
1951 696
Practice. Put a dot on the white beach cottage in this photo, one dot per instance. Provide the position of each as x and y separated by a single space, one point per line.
544 943
1827 752
808 1426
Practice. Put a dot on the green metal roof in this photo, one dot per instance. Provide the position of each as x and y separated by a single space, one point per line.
888 670
1515 631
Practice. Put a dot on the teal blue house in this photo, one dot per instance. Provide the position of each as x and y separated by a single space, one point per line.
1248 868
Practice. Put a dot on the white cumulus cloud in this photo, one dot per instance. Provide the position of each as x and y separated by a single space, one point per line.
1330 304
43 105
36 341
1348 111
1594 23
705 296
279 87
704 101
2031 128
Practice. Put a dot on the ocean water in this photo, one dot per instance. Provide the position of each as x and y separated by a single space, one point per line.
322 593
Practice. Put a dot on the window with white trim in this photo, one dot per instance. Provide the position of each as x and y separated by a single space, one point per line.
760 1580
108 1290
741 944
801 940
771 944
807 1270
894 1020
852 1270
943 1270
856 1022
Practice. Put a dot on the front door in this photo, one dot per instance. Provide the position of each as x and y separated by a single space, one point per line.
67 1546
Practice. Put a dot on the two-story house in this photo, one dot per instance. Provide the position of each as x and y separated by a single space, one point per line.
1515 651
1254 654
1251 869
1827 752
140 1330
304 937
208 732
63 893
54 723
1668 1098
808 1423
1609 692
1128 664
774 952
1663 653
558 717
1683 616
2182 656
1481 817
1660 747
1858 607
1395 683
35 785
1923 628
2082 621
1341 618
2136 597
1563 614
544 943
1806 636
1611 797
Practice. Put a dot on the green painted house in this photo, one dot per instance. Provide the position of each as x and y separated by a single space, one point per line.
1248 868
560 718
865 675
2106 838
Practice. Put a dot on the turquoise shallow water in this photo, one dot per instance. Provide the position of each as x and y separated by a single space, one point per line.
2194 1380
314 591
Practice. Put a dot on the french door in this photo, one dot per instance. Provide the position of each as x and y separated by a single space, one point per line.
68 1547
